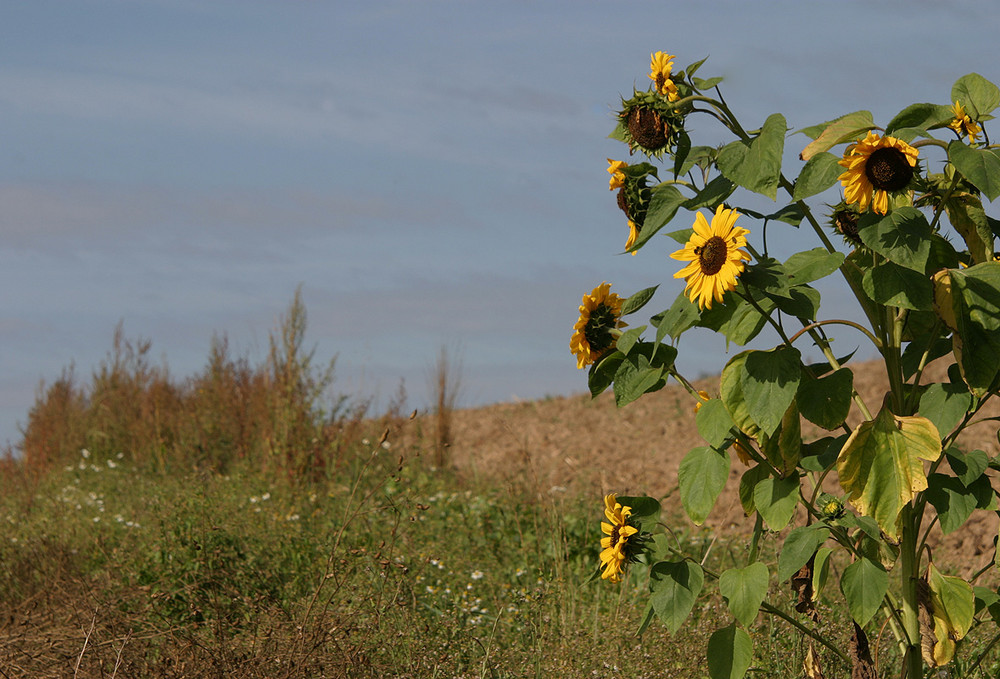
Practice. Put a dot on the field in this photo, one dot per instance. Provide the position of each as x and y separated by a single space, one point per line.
243 523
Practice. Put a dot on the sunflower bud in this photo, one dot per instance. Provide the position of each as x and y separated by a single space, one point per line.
830 507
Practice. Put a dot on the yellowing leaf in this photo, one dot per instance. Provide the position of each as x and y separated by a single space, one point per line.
880 465
953 604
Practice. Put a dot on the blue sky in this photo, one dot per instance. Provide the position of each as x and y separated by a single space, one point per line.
431 173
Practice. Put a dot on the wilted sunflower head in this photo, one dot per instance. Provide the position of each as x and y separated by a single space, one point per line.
963 124
596 331
634 196
649 123
661 66
875 168
844 220
615 549
715 260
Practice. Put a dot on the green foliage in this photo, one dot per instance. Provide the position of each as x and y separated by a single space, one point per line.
907 240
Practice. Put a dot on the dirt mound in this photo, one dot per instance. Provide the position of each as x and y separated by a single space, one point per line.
581 445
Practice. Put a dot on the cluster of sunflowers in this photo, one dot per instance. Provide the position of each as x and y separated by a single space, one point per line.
922 297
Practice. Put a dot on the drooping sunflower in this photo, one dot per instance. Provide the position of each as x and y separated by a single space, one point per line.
596 330
615 169
614 554
876 167
963 124
714 256
844 220
661 66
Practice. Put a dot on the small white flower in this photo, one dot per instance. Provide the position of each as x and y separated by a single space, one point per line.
477 574
85 453
265 497
386 445
112 464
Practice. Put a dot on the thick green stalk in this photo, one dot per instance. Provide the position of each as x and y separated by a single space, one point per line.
909 574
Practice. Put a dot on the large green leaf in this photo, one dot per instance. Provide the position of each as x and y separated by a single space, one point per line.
757 167
748 482
744 589
730 652
638 300
945 405
864 584
921 116
811 265
682 315
977 95
954 501
968 467
675 585
799 546
972 296
776 500
980 166
746 321
702 476
880 465
826 401
966 214
893 285
769 380
636 375
845 128
902 236
819 174
714 422
714 193
664 201
731 392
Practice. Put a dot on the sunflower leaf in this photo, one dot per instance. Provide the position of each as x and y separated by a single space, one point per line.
744 589
952 500
746 321
864 584
769 380
921 117
880 465
903 236
757 167
776 500
675 585
730 652
799 546
664 202
966 214
977 95
637 301
945 404
682 315
819 174
826 401
980 166
636 376
973 298
811 265
602 372
702 476
893 285
714 422
845 128
714 193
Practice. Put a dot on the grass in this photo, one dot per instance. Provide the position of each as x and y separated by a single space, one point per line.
245 522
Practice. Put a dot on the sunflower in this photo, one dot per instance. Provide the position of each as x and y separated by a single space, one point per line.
615 169
703 398
596 330
716 260
660 67
964 124
613 552
845 222
877 166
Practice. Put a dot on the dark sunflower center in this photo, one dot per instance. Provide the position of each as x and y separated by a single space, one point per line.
615 535
647 128
598 329
888 169
712 255
623 202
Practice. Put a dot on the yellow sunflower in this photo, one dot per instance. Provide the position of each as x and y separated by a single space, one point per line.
964 124
661 65
716 260
877 166
703 396
596 330
613 554
633 234
615 169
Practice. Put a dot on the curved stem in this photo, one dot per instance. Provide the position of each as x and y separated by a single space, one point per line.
837 321
768 608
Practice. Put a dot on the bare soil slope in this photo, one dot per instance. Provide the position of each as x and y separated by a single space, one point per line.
580 445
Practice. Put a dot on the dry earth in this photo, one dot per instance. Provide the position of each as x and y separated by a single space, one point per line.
580 445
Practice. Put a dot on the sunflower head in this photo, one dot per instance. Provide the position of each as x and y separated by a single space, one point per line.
875 169
830 506
715 260
649 123
596 331
634 196
844 220
661 66
615 548
963 124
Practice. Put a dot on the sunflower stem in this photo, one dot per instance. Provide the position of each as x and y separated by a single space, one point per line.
836 321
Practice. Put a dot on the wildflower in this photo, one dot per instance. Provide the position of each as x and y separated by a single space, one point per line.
660 67
716 260
477 574
963 124
596 330
613 552
876 167
615 168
